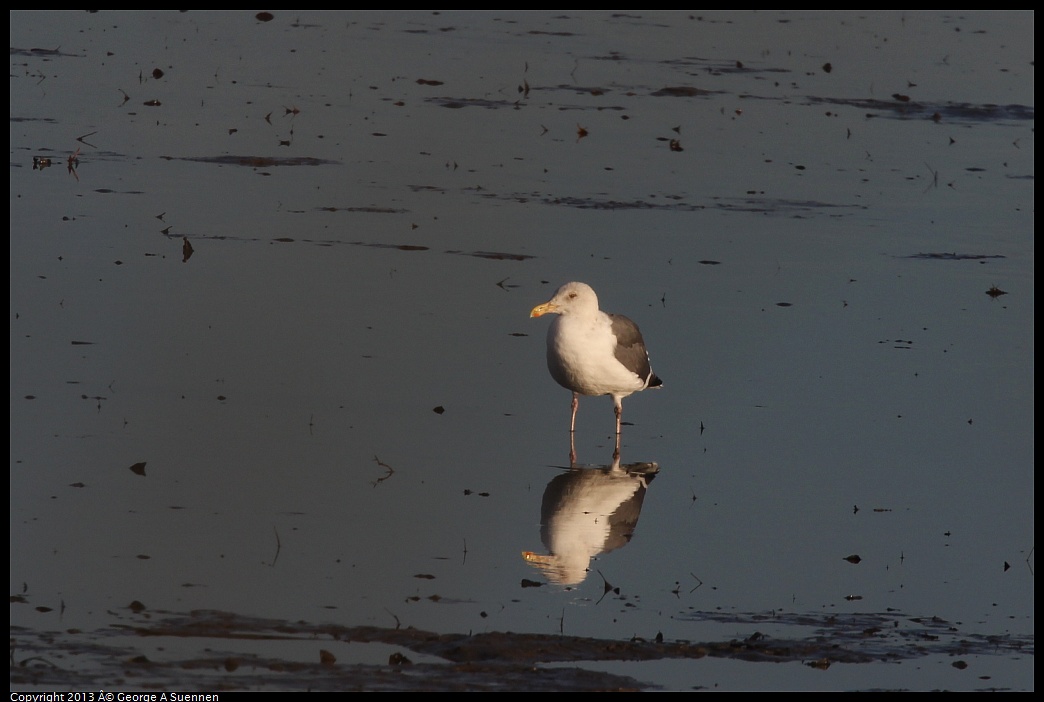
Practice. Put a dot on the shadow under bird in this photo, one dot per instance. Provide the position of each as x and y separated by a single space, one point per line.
586 513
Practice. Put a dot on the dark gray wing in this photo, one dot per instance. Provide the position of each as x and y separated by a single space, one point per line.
630 349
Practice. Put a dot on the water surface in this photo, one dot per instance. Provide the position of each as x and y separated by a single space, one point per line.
287 265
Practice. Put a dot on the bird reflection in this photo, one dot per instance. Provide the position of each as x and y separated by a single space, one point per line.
586 512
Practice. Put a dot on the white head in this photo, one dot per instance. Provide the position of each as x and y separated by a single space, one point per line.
570 298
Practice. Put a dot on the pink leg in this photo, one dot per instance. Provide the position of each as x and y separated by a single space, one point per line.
618 409
572 431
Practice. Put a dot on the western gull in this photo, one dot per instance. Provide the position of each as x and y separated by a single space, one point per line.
592 352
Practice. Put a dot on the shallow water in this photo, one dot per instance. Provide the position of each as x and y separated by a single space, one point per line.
288 264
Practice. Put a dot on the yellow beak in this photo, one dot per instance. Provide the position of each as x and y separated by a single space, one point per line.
537 558
545 308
